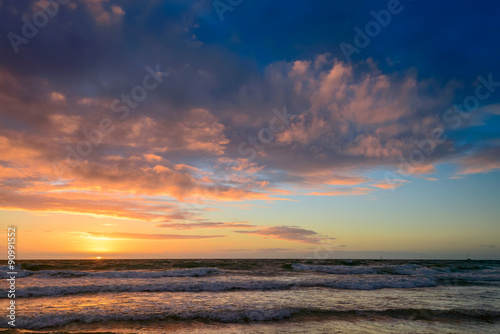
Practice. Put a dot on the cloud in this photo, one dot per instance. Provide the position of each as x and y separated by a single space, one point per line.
91 203
191 155
273 250
334 178
427 178
57 97
142 154
289 233
258 250
491 109
343 192
101 15
209 225
342 103
389 185
123 235
482 161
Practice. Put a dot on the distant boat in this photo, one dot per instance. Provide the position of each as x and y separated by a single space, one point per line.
468 258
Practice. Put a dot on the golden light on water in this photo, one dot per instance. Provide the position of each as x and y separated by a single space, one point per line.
98 257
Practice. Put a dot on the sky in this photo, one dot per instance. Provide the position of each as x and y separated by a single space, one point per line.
250 129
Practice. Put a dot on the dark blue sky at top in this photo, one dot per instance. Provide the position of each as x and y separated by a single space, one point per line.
440 39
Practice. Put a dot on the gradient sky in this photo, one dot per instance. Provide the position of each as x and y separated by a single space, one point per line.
201 129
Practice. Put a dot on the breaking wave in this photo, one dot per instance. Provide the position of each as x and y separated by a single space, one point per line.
257 315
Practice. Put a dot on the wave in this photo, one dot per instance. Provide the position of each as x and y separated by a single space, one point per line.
442 275
406 269
257 315
194 272
470 273
227 284
20 273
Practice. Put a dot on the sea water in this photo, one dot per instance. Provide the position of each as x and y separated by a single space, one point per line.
255 296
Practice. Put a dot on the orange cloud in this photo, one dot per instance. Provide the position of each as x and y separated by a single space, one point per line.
122 235
428 178
191 226
90 203
343 191
389 185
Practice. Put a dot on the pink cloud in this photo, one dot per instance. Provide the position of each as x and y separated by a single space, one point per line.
483 161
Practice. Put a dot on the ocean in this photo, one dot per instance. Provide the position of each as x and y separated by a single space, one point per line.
255 296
